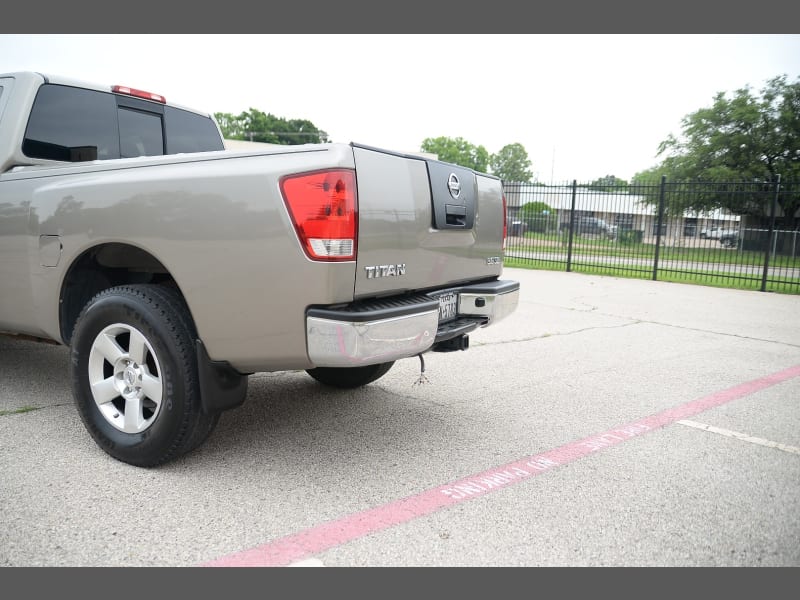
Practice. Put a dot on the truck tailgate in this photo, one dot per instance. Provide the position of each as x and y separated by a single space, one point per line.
424 224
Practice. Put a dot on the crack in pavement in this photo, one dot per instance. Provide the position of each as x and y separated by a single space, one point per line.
557 334
638 322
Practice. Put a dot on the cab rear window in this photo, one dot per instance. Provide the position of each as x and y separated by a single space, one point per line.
190 132
64 118
73 124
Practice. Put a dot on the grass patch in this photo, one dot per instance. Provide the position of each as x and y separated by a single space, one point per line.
711 278
543 243
18 411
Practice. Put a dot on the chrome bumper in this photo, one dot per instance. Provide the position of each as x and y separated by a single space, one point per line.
368 333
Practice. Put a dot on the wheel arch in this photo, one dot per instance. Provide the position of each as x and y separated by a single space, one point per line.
103 266
111 264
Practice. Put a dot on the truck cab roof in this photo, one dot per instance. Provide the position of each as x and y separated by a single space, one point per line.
49 118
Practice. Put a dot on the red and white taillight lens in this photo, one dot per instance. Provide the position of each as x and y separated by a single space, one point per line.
505 221
324 210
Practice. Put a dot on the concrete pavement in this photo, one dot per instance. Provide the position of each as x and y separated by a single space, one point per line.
583 357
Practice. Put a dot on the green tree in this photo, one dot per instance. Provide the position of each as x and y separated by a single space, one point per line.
647 184
538 216
511 163
457 151
256 126
651 175
739 142
609 183
534 209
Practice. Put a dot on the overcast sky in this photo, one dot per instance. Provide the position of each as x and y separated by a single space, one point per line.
583 106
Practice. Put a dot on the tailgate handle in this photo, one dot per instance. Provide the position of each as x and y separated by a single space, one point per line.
456 214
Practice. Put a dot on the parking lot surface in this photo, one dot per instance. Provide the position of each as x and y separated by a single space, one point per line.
608 422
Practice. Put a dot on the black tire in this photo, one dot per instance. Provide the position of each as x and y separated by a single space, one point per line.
349 377
136 344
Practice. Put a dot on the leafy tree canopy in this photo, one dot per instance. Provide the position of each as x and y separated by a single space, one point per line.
609 183
512 164
458 151
257 126
741 139
533 209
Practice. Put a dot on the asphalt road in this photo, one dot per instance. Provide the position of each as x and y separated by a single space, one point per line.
608 422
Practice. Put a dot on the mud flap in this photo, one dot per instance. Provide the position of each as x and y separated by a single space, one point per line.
221 386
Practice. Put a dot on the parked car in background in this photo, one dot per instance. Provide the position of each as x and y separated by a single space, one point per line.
517 228
716 232
729 238
592 225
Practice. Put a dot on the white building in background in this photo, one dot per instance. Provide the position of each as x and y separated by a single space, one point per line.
626 211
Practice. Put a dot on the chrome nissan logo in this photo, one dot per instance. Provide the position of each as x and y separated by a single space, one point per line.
454 185
129 375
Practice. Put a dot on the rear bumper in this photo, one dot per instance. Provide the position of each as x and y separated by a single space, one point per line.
365 333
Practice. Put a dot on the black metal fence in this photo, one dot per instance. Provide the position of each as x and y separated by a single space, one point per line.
661 230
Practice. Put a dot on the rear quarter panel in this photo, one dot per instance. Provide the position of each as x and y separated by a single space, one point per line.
218 224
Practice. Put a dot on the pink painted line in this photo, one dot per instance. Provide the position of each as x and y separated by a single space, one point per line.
317 539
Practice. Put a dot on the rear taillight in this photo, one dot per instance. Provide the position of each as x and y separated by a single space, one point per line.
324 210
505 221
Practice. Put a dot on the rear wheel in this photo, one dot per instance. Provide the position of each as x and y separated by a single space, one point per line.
349 377
134 375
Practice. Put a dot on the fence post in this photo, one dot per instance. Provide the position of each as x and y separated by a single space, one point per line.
770 232
571 224
659 222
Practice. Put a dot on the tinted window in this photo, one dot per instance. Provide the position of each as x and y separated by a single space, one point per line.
190 132
140 133
65 118
68 123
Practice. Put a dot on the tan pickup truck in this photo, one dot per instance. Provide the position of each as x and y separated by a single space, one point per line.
174 268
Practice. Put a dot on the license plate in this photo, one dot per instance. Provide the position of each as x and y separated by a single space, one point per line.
448 306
